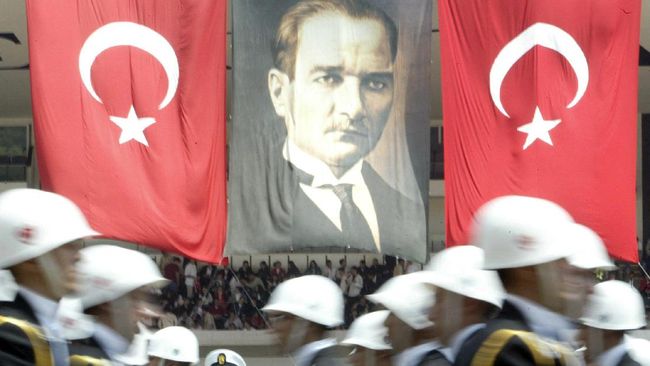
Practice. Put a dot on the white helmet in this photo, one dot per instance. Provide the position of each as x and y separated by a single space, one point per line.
408 298
222 356
590 251
519 231
175 344
314 298
459 270
369 331
107 272
34 222
614 305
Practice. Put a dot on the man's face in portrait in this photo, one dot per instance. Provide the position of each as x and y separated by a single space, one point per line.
337 103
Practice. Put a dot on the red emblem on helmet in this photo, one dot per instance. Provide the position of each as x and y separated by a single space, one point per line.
25 235
525 242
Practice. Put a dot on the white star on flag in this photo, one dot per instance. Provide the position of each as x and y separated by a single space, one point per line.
538 129
133 127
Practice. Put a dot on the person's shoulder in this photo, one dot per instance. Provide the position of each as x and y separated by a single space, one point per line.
509 342
327 357
434 358
22 342
87 352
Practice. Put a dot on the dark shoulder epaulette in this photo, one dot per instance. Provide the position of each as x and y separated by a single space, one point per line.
543 351
23 340
78 360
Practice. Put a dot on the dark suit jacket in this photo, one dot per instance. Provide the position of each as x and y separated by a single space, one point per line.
86 352
627 360
508 340
276 216
395 215
17 348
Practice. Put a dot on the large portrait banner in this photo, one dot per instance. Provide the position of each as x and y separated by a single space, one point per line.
329 143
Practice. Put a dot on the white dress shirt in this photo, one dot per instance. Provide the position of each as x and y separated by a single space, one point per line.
110 341
541 320
325 198
612 356
45 311
304 355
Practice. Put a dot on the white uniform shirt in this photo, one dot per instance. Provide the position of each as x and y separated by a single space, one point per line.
304 355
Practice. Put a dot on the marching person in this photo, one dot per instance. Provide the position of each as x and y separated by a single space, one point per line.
369 337
40 235
466 296
614 308
589 255
409 329
525 240
114 295
224 357
300 311
173 346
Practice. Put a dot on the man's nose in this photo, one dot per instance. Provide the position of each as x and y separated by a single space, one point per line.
349 99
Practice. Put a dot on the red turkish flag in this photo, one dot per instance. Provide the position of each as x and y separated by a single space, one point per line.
129 115
540 99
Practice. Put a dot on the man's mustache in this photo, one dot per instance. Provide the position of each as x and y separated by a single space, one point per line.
359 126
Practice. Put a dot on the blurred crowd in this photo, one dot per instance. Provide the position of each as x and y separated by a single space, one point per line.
205 296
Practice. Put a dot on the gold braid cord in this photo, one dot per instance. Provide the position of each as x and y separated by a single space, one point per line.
42 354
78 360
544 352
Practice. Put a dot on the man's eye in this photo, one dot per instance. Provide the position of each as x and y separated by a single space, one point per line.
329 79
376 84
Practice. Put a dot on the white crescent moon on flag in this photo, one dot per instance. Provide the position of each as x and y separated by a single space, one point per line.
129 34
545 35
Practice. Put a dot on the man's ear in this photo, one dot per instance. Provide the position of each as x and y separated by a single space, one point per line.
278 89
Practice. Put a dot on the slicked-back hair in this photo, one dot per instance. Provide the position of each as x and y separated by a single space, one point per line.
285 44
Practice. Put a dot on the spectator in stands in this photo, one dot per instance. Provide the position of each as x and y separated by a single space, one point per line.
206 297
172 270
205 275
360 308
244 270
400 268
363 268
254 283
190 278
278 271
264 273
293 270
329 271
235 284
343 265
412 267
313 268
351 286
233 322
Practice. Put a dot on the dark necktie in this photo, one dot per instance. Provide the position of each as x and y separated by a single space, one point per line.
355 228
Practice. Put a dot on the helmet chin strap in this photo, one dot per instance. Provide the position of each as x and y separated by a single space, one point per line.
53 274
